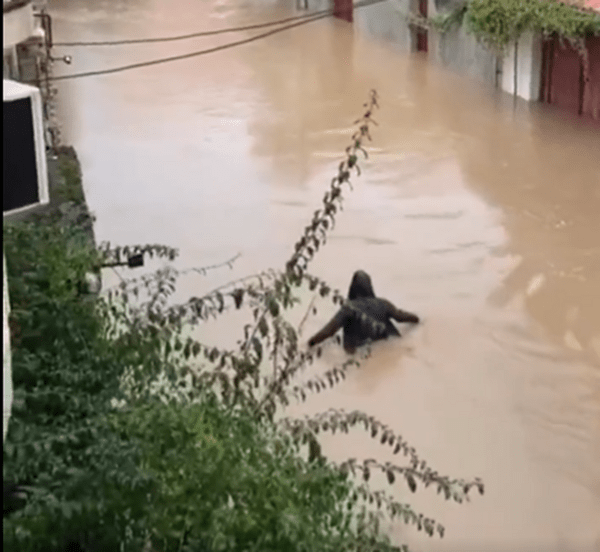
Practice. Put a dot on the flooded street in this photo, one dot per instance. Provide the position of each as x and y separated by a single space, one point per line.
482 217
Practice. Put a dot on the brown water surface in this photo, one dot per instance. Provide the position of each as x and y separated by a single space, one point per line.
482 217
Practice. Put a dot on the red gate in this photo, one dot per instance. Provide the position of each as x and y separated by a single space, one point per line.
567 80
591 99
343 9
422 33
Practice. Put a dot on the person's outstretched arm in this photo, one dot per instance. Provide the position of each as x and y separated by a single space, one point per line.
330 328
402 316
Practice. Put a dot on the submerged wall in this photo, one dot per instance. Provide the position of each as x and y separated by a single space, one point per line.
461 52
521 73
457 50
387 21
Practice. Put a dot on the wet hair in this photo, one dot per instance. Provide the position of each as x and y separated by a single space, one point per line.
360 286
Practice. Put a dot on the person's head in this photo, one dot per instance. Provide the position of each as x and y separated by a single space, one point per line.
360 286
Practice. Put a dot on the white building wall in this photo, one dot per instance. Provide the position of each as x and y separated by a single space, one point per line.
524 70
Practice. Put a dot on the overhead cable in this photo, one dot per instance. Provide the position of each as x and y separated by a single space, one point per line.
139 65
183 56
192 35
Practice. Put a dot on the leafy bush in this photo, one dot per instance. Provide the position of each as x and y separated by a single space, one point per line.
59 444
497 23
224 482
68 167
130 434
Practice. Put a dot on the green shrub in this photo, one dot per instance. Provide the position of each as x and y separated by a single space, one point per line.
497 23
226 483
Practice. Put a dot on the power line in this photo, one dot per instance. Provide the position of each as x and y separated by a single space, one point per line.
183 56
192 35
139 65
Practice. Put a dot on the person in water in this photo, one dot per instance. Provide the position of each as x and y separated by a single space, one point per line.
363 317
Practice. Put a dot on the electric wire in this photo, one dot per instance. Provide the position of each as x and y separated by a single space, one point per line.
191 35
181 56
214 49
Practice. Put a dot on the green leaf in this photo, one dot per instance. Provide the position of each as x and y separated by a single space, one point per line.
263 327
412 484
196 349
238 296
273 306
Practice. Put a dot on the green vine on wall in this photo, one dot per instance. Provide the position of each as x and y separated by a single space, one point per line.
497 23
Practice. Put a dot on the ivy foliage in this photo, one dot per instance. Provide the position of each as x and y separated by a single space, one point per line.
130 434
497 23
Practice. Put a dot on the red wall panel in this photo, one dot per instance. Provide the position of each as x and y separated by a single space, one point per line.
591 102
566 74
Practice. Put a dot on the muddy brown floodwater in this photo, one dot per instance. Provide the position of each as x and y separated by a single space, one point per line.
481 216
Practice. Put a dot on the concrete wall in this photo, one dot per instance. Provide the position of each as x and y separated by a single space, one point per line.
526 67
457 50
18 25
386 22
460 51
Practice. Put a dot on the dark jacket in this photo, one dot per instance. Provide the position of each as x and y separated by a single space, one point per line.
363 317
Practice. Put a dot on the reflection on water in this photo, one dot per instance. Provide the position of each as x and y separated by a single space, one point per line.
481 217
